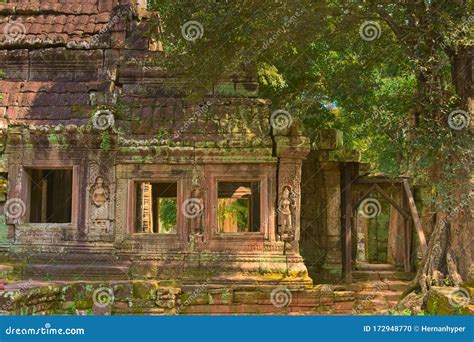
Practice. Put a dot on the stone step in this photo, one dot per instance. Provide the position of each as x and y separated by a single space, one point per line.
369 295
397 285
362 266
372 305
75 272
381 275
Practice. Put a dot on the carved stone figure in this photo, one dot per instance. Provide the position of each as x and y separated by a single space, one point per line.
100 208
285 208
196 220
99 195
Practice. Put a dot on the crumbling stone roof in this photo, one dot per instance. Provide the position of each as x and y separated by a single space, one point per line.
71 23
71 58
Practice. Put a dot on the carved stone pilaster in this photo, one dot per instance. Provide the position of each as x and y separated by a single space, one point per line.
291 149
100 207
194 208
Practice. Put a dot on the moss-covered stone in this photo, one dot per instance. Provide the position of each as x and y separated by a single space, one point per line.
145 290
449 301
328 139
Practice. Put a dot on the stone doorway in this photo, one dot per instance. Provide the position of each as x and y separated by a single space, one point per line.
373 229
379 214
380 226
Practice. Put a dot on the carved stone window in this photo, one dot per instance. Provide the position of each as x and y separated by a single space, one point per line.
156 207
238 207
50 195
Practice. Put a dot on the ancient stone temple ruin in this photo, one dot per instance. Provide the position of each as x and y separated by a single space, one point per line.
110 171
114 182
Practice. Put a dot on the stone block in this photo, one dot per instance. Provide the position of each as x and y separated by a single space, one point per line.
100 310
343 296
220 296
252 297
14 64
143 270
329 139
74 291
141 303
145 290
345 155
166 297
449 301
122 290
344 307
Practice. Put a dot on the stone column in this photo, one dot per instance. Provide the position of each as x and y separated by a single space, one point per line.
291 148
332 177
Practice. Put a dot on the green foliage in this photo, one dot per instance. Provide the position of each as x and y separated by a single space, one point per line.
377 239
162 134
106 142
401 312
310 59
238 209
168 209
71 309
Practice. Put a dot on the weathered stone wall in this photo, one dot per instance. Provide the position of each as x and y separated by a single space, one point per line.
86 90
167 298
321 218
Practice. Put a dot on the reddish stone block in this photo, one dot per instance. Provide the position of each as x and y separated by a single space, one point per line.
102 17
89 28
343 306
8 8
36 28
68 28
59 19
326 299
120 25
29 19
105 5
66 8
89 9
98 28
46 28
49 19
117 40
47 7
57 28
56 7
27 8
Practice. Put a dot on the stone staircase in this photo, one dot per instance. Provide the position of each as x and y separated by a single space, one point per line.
374 272
377 287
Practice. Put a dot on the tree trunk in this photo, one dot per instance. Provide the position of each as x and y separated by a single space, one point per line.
449 254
